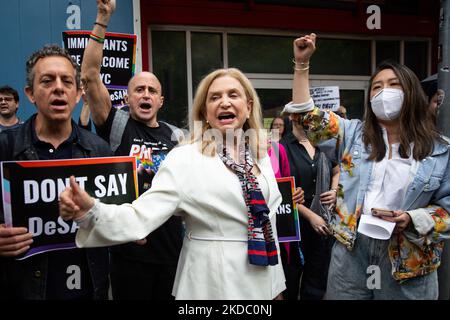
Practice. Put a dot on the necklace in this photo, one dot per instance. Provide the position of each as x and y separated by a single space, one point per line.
303 140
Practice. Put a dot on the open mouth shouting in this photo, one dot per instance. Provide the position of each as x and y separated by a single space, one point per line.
226 118
59 104
145 106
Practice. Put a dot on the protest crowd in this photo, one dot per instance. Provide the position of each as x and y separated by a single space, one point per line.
139 209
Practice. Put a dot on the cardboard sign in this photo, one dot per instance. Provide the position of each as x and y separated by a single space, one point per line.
31 190
118 62
288 226
326 98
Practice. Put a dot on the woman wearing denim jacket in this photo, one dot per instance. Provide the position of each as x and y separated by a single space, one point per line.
394 159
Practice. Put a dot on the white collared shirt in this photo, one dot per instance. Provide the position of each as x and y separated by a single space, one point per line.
390 179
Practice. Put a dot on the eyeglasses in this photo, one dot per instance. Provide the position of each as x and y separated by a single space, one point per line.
6 99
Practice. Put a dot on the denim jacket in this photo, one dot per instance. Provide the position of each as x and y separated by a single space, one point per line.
26 279
417 250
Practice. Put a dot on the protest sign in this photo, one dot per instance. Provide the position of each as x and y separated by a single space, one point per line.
326 98
288 227
118 63
30 191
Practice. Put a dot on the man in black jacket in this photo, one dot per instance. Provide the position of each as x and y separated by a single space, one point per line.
53 86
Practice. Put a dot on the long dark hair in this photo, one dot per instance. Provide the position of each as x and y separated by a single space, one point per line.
416 124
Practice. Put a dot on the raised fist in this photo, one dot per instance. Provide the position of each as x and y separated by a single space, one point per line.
106 6
304 48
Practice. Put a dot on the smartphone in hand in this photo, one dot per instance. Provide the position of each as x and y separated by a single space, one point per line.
377 212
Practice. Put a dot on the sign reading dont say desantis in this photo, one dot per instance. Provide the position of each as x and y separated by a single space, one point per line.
288 227
31 190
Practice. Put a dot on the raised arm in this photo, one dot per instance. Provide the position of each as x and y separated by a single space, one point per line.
319 125
304 47
96 92
85 115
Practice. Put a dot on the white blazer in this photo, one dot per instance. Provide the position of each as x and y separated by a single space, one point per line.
213 263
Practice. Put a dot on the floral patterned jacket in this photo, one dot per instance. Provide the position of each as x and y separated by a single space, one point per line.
417 250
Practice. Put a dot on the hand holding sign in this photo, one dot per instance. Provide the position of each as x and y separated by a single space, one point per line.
74 202
298 196
288 227
32 191
14 241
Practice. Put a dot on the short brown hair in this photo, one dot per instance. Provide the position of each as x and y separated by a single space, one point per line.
50 50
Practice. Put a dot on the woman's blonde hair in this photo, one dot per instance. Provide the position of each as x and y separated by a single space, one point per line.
199 126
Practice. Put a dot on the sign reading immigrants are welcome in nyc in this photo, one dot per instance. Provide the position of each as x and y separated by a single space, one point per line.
288 226
30 191
118 62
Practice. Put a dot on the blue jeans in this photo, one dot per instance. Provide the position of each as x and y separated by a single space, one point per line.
352 277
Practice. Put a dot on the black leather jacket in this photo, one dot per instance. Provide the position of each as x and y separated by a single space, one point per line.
26 279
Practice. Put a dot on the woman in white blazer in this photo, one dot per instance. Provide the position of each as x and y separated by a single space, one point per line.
230 250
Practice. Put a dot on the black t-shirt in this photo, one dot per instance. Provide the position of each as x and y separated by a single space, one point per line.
150 146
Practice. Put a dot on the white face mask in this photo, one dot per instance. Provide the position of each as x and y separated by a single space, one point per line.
387 103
